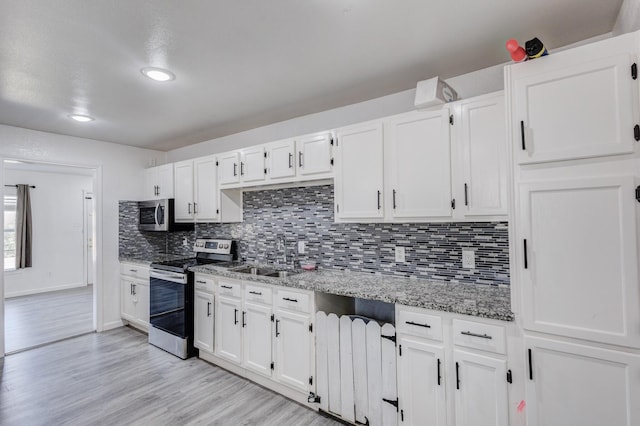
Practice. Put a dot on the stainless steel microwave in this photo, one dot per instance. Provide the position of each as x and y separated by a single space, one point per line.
158 215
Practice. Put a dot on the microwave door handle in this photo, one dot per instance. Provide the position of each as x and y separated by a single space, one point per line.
155 215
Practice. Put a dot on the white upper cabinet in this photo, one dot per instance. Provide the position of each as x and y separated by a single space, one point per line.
229 164
359 176
480 157
419 166
578 259
158 182
315 155
196 190
282 161
252 164
575 104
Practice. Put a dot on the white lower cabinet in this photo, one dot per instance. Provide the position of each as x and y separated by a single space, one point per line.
203 321
228 329
577 384
257 336
134 295
293 349
481 389
421 385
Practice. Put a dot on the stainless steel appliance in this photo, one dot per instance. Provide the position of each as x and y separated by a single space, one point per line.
158 215
171 296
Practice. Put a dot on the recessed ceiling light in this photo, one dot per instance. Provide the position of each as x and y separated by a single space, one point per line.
158 74
81 118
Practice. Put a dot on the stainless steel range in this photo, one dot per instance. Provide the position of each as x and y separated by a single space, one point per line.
171 296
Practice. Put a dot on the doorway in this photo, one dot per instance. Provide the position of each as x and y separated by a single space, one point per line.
54 298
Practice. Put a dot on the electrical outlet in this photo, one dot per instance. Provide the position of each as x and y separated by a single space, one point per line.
468 259
301 247
185 242
400 254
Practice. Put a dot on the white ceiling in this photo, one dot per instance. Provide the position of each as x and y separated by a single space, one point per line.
241 64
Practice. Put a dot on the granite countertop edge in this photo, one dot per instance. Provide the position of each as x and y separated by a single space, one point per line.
479 300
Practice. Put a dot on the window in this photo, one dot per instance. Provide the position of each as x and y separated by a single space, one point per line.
10 201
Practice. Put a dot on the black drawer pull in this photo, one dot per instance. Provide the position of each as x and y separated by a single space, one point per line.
201 282
468 333
133 270
418 324
227 287
290 300
256 292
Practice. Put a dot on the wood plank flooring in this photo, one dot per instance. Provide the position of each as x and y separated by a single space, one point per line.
46 317
117 378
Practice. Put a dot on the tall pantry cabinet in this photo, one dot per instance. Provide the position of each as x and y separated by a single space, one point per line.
574 128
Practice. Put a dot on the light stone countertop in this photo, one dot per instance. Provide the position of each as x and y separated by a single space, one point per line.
479 300
147 260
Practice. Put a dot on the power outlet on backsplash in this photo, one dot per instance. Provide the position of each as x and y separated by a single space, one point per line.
468 259
400 254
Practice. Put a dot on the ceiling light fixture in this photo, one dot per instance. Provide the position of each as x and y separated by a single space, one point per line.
81 118
158 74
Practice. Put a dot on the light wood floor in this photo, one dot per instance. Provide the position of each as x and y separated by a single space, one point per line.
47 317
117 378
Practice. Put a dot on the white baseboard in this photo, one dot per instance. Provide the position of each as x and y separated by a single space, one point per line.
111 325
42 290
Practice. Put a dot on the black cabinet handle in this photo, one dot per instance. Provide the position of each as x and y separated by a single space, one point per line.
466 195
131 289
242 168
134 289
394 199
468 333
290 160
208 309
530 365
457 376
235 169
526 261
226 286
418 324
524 146
201 282
379 205
133 270
189 208
277 332
195 208
300 158
256 292
244 319
439 374
235 316
290 300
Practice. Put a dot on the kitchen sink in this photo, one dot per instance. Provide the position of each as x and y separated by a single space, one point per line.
265 272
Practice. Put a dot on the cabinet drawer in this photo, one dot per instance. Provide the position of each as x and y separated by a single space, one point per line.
486 337
205 283
258 293
419 324
135 271
293 300
229 287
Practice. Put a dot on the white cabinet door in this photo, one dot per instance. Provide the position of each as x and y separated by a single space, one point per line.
570 384
482 172
128 305
257 337
150 190
228 328
229 168
570 109
164 181
420 164
252 164
481 390
314 154
421 384
359 179
141 295
183 172
282 162
203 321
578 259
205 189
293 349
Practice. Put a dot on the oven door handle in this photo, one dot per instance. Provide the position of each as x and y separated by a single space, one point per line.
174 277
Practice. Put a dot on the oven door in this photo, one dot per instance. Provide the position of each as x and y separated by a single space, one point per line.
167 300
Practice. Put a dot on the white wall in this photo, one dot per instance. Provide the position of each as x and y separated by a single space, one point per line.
118 178
476 83
628 17
57 211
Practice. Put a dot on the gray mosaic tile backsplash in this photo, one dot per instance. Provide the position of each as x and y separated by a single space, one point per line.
433 250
